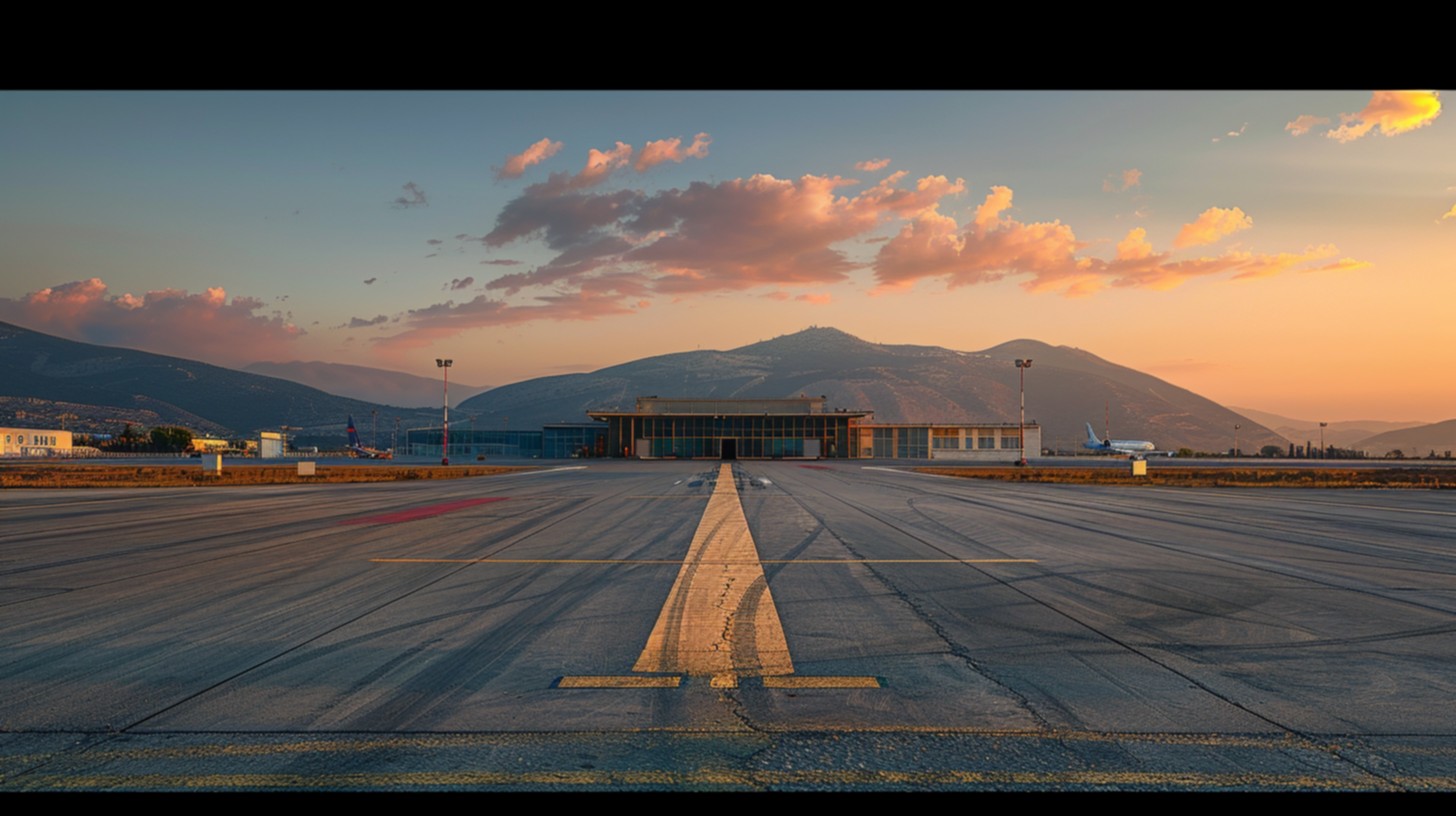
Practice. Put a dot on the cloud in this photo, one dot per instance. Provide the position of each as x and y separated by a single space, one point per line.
1130 179
1391 112
993 246
1135 246
461 283
360 323
665 150
442 320
600 164
416 197
434 242
1304 123
1211 225
369 281
501 262
871 165
535 154
1451 213
1233 133
708 237
610 251
815 298
206 325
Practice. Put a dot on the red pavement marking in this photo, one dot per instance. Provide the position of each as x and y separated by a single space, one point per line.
816 467
421 512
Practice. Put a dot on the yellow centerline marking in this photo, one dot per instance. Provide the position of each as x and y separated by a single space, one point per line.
618 681
715 562
719 618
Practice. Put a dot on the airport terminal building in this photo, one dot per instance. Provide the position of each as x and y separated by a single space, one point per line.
798 428
704 428
729 429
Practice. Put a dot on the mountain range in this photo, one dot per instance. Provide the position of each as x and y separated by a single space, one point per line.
102 387
375 385
1065 388
46 381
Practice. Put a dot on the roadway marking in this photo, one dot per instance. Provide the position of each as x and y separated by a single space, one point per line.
705 561
719 617
421 512
618 681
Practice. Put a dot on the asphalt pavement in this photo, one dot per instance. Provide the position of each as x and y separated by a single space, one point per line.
607 625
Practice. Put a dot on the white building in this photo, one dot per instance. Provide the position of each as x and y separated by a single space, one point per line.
34 442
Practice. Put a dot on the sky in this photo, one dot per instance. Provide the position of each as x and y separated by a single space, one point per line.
1291 252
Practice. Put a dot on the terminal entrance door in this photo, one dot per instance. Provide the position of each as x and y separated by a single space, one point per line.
730 449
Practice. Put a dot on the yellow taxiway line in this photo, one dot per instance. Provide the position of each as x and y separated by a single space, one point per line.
719 618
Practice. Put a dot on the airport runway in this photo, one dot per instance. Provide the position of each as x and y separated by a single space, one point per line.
755 626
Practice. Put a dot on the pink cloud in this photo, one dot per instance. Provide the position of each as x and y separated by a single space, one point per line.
872 165
671 150
1304 123
989 248
600 164
204 326
1391 112
993 246
443 320
1211 225
535 154
816 298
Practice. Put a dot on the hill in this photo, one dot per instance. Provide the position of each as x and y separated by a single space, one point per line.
373 385
1065 388
1342 434
1418 441
107 386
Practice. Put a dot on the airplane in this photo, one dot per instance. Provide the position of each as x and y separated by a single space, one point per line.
361 452
1134 448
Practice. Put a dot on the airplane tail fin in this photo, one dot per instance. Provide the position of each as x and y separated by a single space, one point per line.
1092 436
353 435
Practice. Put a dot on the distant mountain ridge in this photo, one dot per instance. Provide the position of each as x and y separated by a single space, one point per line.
43 370
1065 388
1342 434
376 385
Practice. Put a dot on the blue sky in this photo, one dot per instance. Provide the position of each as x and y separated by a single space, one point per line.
1282 251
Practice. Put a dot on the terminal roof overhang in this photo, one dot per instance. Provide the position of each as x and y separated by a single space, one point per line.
728 407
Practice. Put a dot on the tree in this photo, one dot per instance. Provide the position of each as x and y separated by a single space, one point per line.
171 439
1270 451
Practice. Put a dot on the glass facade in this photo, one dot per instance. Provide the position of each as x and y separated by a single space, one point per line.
571 441
468 444
740 436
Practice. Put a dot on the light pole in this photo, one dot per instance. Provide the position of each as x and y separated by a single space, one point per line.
395 449
445 448
1236 440
375 443
1021 367
1322 439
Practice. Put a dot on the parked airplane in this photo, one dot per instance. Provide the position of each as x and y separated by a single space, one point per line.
362 452
1135 448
